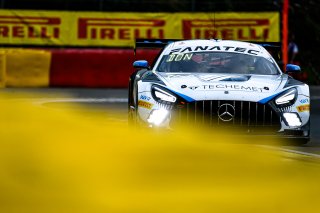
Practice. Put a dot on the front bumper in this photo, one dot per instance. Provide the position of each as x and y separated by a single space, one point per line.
248 118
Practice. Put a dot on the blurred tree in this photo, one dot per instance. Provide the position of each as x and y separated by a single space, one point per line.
304 23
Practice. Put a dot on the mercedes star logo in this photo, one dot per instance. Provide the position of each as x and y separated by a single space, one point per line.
226 112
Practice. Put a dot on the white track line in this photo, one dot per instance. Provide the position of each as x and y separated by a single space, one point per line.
301 153
292 151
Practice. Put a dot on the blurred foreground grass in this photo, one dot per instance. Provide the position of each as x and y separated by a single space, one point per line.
54 160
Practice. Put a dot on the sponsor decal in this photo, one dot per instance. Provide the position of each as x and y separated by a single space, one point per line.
120 28
144 97
211 48
228 29
303 108
179 57
193 87
227 87
304 101
30 27
145 104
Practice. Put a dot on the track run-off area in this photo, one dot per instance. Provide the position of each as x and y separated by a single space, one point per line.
71 150
111 104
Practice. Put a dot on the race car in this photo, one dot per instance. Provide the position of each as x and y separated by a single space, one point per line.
219 83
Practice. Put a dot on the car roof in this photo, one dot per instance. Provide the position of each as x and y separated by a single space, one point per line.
200 45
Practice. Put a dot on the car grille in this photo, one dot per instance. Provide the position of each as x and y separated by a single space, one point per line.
248 115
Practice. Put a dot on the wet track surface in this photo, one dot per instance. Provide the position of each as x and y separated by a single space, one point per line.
104 101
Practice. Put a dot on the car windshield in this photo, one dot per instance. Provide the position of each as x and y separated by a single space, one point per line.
217 62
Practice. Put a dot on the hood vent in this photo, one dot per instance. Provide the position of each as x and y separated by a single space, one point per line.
225 78
237 78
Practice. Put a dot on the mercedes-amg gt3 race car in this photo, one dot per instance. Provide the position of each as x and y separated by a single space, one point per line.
219 83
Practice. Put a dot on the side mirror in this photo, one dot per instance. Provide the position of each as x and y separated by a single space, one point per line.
293 68
141 64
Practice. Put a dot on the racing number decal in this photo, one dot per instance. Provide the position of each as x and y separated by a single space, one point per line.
179 57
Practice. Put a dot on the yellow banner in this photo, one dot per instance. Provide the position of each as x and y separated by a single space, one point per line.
27 68
115 29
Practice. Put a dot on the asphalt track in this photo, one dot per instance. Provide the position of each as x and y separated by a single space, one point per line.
105 101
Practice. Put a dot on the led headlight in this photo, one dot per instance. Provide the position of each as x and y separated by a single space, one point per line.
292 119
158 116
287 98
161 95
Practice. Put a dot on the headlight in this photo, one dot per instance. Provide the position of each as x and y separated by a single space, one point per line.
287 98
161 95
292 119
157 117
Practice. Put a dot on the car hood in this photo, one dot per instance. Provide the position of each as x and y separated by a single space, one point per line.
207 86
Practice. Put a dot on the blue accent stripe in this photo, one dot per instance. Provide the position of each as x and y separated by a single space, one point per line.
187 98
267 99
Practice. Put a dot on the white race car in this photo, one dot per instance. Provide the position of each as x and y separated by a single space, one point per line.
219 83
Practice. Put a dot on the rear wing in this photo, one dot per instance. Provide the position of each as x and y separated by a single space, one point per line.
274 48
161 43
274 45
152 43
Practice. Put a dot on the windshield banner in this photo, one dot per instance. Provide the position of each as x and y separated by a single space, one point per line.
116 29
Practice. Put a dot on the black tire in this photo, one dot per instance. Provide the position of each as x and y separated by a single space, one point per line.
300 141
295 141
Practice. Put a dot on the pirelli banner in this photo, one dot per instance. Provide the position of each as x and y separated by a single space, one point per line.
115 29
